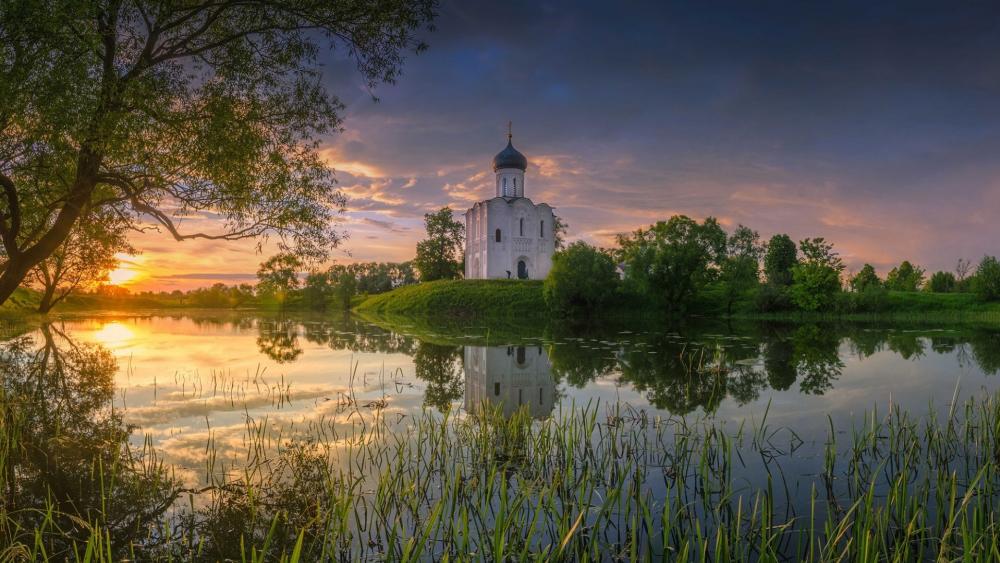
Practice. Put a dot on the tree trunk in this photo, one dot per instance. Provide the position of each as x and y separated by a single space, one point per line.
20 263
46 303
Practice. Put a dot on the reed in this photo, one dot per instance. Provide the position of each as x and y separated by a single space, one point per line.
592 482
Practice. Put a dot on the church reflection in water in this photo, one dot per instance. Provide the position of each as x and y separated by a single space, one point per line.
510 376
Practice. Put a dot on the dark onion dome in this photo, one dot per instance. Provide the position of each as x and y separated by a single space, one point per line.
510 158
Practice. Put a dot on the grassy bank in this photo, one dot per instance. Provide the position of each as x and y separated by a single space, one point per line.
461 299
896 307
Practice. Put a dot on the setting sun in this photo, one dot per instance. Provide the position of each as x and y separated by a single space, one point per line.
121 276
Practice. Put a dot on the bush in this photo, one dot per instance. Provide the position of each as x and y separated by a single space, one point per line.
582 279
871 299
986 282
942 282
772 299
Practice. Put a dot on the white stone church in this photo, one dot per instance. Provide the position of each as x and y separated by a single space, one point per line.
509 236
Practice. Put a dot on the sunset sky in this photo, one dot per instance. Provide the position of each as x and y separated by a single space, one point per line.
873 124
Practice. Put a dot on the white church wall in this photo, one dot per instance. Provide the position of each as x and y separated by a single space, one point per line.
525 231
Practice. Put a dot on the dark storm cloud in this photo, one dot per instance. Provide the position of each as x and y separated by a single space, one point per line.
875 124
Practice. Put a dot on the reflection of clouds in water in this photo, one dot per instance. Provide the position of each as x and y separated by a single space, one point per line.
176 371
330 423
175 406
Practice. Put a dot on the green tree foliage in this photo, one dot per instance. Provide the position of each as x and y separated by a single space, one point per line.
780 258
905 277
740 269
673 259
865 279
345 285
163 109
441 368
942 282
963 268
82 261
439 256
816 278
581 280
278 277
317 290
220 296
986 282
559 229
380 277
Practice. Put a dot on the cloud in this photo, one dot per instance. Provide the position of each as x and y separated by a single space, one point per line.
876 127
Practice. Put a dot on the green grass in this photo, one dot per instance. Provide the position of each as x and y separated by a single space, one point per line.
466 299
899 307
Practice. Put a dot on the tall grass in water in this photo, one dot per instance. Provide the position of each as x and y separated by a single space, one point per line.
591 483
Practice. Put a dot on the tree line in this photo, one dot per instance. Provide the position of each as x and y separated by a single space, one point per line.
676 263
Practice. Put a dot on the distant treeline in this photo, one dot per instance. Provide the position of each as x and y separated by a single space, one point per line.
680 263
280 285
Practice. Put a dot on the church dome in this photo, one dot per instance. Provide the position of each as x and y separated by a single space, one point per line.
510 158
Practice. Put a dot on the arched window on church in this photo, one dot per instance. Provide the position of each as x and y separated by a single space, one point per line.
515 185
497 235
541 229
505 186
522 226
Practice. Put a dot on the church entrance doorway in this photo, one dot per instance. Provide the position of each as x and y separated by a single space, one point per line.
522 270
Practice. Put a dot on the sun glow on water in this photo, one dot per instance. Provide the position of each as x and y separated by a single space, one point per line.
114 333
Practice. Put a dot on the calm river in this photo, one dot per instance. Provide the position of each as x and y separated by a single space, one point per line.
182 378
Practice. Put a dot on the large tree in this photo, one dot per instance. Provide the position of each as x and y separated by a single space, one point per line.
740 269
278 277
673 259
159 110
85 258
439 256
781 256
816 277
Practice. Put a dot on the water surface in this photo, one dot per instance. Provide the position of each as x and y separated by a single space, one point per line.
184 379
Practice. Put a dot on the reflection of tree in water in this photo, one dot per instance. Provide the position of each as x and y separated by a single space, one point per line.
779 361
278 337
578 363
908 345
865 342
671 378
278 340
985 346
347 333
441 368
817 358
944 344
62 433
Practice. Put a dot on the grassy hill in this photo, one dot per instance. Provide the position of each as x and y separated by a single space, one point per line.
461 299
